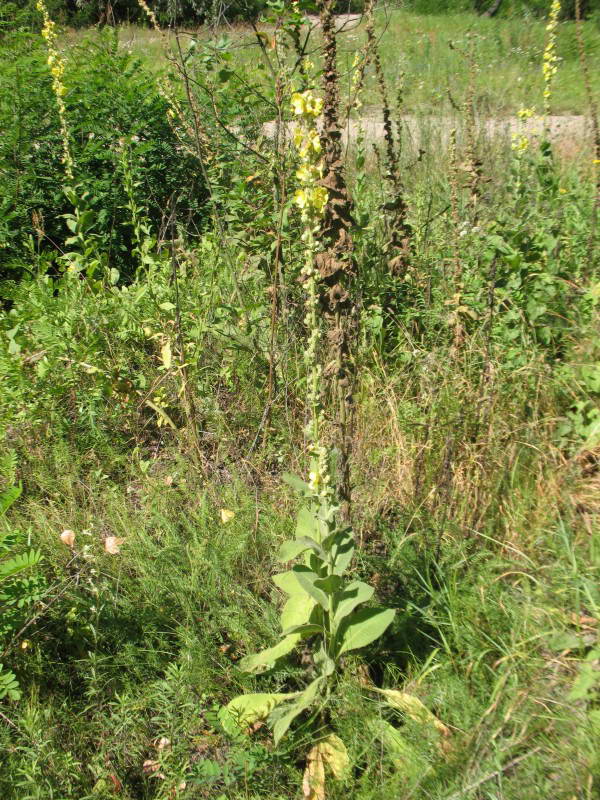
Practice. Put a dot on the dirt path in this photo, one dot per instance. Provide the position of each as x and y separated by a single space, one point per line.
571 134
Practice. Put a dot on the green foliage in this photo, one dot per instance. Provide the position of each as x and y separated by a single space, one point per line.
320 607
110 98
148 390
18 593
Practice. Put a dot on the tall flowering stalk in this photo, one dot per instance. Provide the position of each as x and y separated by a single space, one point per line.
550 60
57 70
311 199
322 600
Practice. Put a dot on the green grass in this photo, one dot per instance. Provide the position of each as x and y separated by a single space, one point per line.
142 645
475 477
508 54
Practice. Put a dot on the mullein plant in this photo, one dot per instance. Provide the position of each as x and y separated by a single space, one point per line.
322 604
550 59
83 257
56 64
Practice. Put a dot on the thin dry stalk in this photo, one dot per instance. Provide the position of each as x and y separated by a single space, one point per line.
399 245
457 271
593 109
335 263
472 166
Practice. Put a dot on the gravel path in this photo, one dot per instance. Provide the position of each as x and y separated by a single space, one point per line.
570 133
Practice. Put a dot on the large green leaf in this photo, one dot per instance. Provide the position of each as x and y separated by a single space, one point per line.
296 483
307 629
294 547
353 595
330 584
297 609
246 709
306 578
363 627
259 662
287 582
281 719
341 545
323 662
309 524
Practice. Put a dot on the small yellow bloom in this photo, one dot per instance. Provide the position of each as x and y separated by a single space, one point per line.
525 113
319 198
314 106
301 198
226 515
298 103
315 142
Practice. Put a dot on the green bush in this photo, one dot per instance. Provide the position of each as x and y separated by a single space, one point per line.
109 97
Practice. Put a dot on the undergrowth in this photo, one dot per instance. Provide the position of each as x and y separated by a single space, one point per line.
155 394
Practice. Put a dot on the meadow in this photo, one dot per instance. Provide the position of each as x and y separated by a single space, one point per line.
300 408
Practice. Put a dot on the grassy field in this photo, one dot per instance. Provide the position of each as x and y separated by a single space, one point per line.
156 389
427 54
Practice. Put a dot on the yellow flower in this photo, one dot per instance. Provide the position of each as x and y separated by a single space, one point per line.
314 105
308 173
301 198
525 113
315 142
298 103
319 198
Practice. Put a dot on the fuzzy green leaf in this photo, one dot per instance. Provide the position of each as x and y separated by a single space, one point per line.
330 585
353 595
281 719
363 627
294 547
341 544
296 483
307 629
324 663
307 578
259 662
297 609
309 524
287 582
246 709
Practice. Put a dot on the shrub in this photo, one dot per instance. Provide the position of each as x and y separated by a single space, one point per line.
110 96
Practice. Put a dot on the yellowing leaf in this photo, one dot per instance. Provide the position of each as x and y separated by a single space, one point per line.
112 544
335 755
68 538
166 355
226 515
413 708
246 709
330 752
313 782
